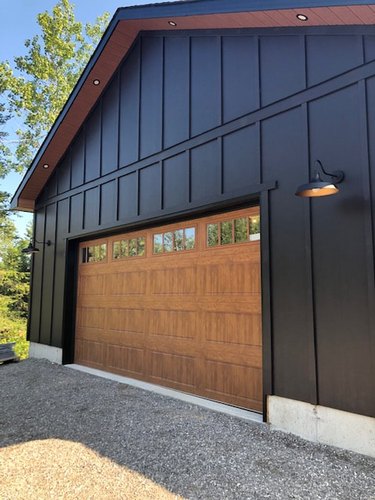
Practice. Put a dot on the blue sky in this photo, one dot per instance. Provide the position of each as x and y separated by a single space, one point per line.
18 22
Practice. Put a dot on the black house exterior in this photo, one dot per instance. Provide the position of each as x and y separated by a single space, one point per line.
194 110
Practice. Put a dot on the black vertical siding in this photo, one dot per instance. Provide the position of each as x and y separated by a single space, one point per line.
175 178
205 176
110 113
151 96
108 205
176 90
241 159
48 270
129 108
324 60
282 71
93 150
339 249
78 161
369 46
63 174
128 196
62 226
37 278
149 190
292 311
190 121
91 208
240 76
205 79
76 213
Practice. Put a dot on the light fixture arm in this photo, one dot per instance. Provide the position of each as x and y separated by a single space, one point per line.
335 177
48 243
33 249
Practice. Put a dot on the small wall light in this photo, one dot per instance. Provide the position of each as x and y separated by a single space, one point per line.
302 17
172 23
45 166
323 183
33 249
96 82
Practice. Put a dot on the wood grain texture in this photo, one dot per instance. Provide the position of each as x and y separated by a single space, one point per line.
190 320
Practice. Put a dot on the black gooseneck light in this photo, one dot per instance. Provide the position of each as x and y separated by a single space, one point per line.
323 183
33 249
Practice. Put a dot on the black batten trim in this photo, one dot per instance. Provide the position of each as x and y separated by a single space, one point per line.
267 337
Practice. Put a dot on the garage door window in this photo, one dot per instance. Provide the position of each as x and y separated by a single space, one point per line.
94 253
132 247
232 231
174 241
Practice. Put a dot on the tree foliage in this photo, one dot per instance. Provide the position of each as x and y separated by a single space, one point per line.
14 282
4 148
14 265
38 83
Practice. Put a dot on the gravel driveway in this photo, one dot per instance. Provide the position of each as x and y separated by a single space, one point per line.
69 435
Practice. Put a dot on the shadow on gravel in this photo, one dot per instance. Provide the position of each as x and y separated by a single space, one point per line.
189 451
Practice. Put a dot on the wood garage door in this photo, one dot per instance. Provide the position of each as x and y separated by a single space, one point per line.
178 306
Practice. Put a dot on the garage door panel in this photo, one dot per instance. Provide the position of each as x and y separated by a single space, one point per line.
91 317
126 320
187 317
171 303
175 280
231 278
232 328
91 285
172 323
126 283
122 338
231 254
249 303
173 368
90 334
233 380
90 353
244 355
126 358
173 345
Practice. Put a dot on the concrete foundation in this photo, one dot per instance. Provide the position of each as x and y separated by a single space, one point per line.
41 351
323 425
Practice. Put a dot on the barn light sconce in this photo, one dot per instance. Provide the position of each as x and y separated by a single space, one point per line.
33 249
323 183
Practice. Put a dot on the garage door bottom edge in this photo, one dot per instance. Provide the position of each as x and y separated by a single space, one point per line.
172 393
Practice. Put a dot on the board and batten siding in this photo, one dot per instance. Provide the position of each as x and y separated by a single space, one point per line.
192 120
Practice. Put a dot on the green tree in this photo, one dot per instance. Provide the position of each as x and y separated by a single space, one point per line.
14 282
38 84
4 148
14 265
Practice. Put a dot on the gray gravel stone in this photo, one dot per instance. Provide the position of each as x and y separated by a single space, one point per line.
190 451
